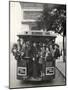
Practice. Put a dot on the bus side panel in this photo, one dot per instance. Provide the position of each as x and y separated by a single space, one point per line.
49 70
21 69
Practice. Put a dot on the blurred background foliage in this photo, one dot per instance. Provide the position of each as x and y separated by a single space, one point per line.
53 18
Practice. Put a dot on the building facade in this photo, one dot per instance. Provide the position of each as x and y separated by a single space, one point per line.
30 14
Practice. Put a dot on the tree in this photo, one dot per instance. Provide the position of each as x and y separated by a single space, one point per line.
53 18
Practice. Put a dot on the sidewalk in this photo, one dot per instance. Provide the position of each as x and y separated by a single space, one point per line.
61 66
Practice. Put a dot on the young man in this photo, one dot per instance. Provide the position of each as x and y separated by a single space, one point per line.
56 52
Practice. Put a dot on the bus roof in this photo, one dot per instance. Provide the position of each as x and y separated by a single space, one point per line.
37 33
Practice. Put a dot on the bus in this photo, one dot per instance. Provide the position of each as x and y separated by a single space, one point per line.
32 61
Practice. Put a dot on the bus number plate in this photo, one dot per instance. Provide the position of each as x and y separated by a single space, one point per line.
49 70
22 71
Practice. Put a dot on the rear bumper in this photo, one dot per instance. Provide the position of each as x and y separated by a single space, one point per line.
27 78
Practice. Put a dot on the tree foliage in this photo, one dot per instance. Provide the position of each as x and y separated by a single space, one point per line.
53 18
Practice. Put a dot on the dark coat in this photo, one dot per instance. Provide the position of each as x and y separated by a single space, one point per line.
49 57
34 51
57 53
27 52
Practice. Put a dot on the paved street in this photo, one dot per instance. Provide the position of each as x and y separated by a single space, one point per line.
14 83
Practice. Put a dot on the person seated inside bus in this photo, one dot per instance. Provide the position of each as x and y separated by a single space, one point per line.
27 49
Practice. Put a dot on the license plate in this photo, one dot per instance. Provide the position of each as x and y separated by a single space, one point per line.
22 71
50 70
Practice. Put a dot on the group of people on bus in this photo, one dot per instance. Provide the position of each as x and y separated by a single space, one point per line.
38 54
